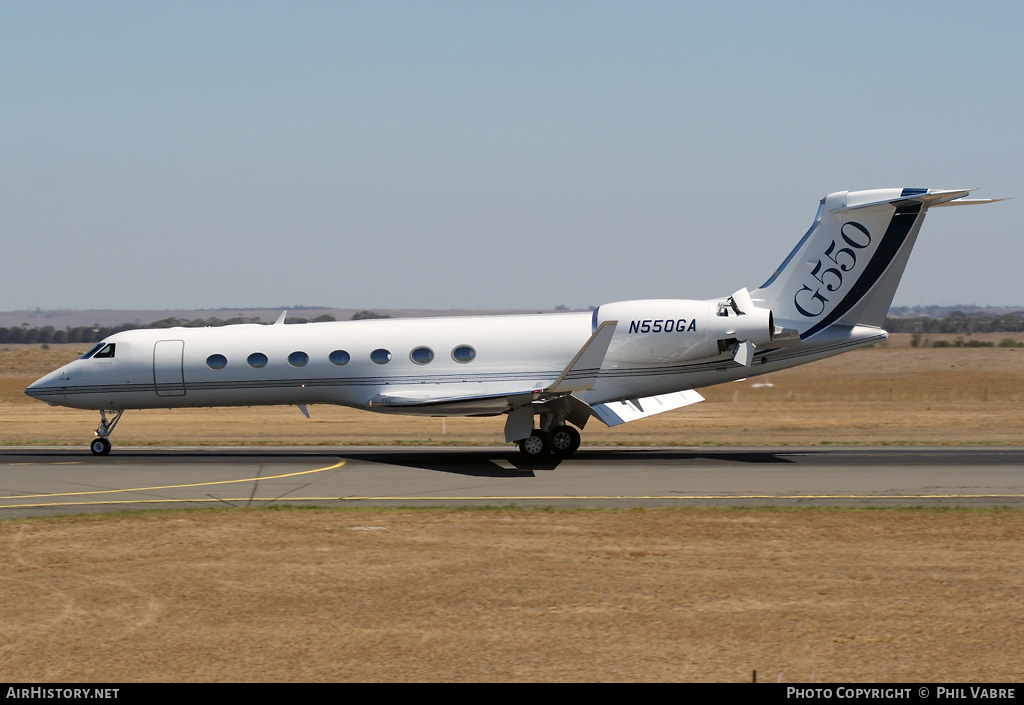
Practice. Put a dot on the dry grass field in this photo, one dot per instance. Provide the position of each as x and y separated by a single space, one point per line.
507 595
514 595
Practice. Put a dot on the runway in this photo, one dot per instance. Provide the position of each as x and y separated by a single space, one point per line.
48 481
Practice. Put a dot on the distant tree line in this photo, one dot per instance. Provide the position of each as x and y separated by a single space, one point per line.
93 334
48 334
959 323
961 343
368 315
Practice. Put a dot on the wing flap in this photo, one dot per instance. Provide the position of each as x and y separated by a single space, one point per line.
614 413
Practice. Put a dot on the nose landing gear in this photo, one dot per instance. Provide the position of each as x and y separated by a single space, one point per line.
101 444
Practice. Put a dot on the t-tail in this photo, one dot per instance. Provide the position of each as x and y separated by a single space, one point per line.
844 272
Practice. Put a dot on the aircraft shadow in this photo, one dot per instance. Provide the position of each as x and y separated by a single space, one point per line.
504 463
472 462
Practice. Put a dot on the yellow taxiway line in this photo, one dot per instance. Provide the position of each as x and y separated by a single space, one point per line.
169 487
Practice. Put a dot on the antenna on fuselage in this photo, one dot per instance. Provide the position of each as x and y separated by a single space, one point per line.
280 319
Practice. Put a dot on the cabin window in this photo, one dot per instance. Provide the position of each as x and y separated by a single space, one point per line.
421 355
216 362
464 353
257 360
298 359
381 356
106 351
339 357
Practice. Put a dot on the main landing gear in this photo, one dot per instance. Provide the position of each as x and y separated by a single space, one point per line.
101 444
562 440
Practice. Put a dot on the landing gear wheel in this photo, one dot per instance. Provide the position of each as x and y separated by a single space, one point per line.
100 446
536 446
565 440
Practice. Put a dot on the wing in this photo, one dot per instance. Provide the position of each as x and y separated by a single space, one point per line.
578 376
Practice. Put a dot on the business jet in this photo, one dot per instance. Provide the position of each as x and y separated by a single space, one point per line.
548 374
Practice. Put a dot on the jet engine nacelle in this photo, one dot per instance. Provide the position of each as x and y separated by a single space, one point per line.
667 331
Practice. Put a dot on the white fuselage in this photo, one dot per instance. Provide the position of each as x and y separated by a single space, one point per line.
659 347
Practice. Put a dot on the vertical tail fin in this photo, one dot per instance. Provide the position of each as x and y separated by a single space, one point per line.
846 268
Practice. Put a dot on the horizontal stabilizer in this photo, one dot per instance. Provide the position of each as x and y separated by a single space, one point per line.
969 202
614 413
930 198
855 200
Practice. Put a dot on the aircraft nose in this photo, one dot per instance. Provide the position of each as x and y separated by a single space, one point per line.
46 387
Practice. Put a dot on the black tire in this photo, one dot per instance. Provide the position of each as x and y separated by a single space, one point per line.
565 440
536 446
100 446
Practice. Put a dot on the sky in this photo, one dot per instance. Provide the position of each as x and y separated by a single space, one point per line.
490 155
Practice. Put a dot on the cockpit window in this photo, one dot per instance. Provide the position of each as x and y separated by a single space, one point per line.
100 350
92 351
